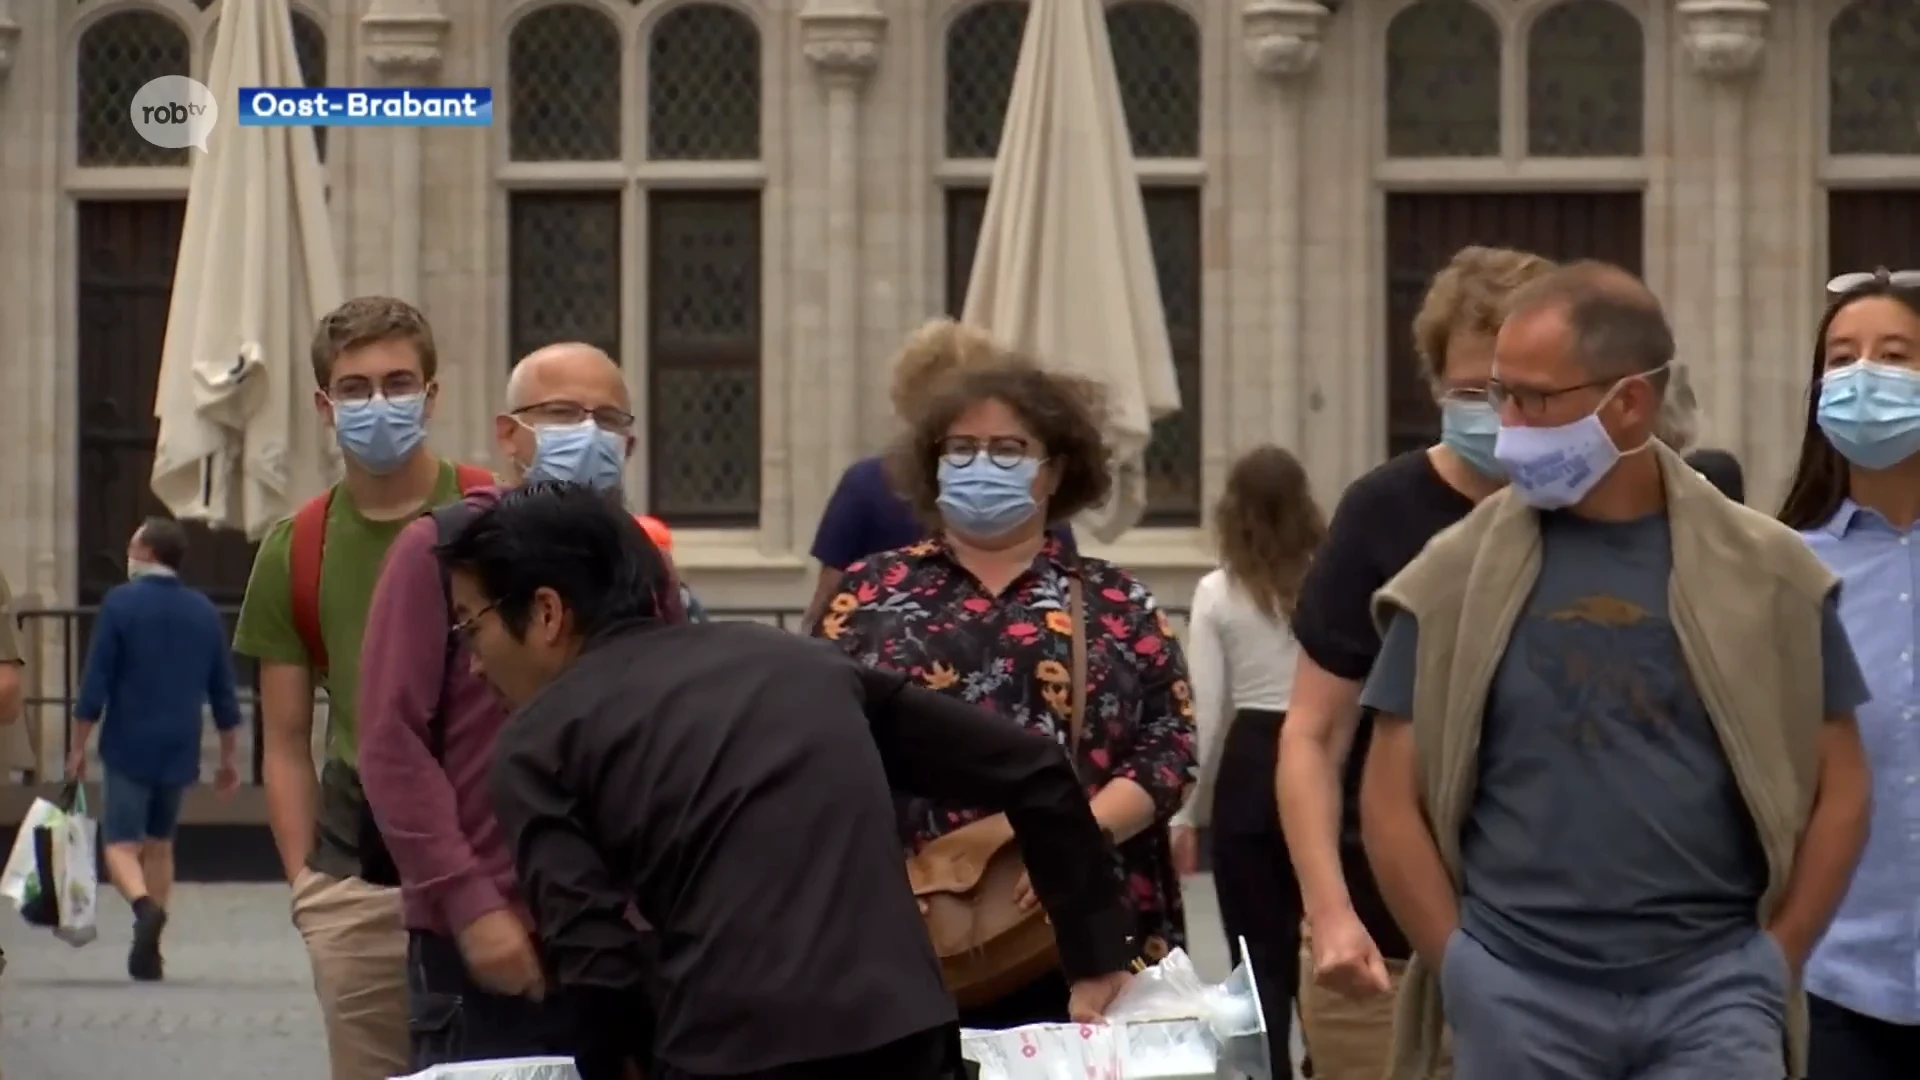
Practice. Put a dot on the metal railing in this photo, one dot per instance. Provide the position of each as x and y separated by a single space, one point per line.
54 641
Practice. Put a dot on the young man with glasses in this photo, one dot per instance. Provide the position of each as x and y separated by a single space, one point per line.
475 984
375 367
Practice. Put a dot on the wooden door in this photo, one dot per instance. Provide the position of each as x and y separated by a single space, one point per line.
1425 229
1871 229
125 276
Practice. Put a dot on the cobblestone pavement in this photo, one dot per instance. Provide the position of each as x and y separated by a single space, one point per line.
238 1000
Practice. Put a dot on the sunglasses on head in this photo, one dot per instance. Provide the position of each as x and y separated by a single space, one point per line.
1899 279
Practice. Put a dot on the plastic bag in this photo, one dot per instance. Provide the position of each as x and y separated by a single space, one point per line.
19 880
75 874
1044 1052
53 873
1168 1024
528 1068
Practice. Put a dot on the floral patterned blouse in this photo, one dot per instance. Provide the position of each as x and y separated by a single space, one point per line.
915 610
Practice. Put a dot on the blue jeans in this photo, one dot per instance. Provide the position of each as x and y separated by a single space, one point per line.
137 812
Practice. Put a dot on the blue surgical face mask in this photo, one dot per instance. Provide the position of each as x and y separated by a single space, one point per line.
1871 413
380 433
582 453
1469 429
982 499
1555 467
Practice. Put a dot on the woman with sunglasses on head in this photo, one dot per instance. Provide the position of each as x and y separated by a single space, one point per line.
1856 497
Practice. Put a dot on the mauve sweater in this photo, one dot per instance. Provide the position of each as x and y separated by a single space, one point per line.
436 816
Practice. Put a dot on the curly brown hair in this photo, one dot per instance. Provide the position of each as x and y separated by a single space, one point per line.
1470 293
930 354
1268 526
1064 412
369 320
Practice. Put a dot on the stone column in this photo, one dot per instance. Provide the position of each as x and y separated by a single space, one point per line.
841 38
1283 41
405 42
1724 40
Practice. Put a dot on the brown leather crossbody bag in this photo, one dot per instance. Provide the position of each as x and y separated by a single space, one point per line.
987 946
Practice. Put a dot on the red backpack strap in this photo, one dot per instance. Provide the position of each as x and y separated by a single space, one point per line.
304 553
472 478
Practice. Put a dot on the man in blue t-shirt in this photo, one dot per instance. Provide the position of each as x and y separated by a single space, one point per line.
158 658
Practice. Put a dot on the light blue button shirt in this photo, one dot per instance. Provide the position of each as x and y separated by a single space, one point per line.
1869 960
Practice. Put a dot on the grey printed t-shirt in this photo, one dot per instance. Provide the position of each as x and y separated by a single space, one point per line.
1607 840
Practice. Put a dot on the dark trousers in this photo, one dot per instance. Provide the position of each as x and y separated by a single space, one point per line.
451 1019
1847 1045
1252 874
1041 1002
925 1055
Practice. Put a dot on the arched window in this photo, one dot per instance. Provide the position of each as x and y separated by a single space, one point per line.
310 46
116 57
1873 73
703 272
703 86
983 48
563 80
1156 57
1443 81
1586 81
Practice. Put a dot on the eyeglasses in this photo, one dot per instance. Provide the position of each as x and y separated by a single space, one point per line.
1533 403
1899 279
1005 452
466 627
355 389
544 413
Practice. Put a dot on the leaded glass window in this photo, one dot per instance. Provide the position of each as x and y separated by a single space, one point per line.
563 79
116 57
563 259
1443 81
1873 62
703 86
1173 457
1156 56
983 49
703 356
1586 81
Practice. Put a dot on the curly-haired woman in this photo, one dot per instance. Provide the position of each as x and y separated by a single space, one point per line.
984 611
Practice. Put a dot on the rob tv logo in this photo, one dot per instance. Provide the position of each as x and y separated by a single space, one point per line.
174 111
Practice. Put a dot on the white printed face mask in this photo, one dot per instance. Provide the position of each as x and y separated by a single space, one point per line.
1555 467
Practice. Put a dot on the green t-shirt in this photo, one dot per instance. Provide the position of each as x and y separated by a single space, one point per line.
349 566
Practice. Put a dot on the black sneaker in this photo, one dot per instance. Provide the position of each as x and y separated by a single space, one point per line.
143 960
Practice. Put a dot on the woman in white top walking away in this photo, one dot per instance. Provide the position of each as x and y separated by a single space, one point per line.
1240 653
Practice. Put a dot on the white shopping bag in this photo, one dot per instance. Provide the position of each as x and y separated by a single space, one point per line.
527 1068
1044 1052
15 879
76 874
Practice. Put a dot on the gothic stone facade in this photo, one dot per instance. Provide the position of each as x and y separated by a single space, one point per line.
750 202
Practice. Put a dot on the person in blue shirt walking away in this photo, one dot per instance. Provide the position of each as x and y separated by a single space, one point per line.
159 656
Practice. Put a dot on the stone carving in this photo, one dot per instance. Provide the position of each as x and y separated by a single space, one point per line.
1724 38
405 39
1283 36
842 38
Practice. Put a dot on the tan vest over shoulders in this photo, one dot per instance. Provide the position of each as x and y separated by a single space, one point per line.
1745 597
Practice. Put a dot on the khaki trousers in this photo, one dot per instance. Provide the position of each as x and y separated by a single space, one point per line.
358 948
1348 1039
